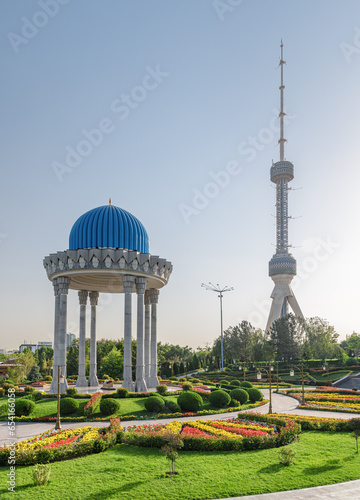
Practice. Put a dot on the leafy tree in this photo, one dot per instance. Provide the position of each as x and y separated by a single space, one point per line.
112 364
34 374
286 338
320 339
73 358
195 362
354 344
238 342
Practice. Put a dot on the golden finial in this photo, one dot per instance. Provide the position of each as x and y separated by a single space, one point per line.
109 201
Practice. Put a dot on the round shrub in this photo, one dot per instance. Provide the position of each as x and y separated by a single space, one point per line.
254 395
187 386
37 395
245 384
224 382
237 383
240 395
154 404
71 391
182 379
122 392
48 378
109 406
190 401
68 406
161 389
234 403
29 389
173 378
8 386
24 407
172 407
219 399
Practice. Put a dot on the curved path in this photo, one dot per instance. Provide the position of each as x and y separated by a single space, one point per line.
280 404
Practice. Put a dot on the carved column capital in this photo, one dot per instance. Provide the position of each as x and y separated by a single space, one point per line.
154 296
128 283
63 285
94 298
140 285
83 295
147 300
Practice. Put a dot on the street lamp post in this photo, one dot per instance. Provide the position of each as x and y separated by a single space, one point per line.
60 380
292 373
220 291
269 375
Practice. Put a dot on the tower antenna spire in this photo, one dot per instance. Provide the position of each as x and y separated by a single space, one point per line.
282 139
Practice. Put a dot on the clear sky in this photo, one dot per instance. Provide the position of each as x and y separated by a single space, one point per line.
183 92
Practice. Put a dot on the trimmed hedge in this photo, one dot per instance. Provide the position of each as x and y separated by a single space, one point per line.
154 404
246 383
236 383
161 389
24 407
71 392
219 399
240 395
109 406
190 401
68 406
122 392
254 394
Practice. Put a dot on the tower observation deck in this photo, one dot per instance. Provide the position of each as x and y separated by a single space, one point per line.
282 266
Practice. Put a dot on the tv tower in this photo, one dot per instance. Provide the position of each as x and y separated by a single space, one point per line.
282 266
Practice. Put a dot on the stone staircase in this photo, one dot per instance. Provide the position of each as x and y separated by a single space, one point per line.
349 382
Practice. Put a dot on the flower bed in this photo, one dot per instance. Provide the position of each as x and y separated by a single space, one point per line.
92 404
307 423
55 445
337 400
217 435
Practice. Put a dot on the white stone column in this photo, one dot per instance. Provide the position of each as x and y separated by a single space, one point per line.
54 382
140 384
82 380
128 284
154 297
93 380
63 287
147 338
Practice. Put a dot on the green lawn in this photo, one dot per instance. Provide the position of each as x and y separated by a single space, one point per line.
139 473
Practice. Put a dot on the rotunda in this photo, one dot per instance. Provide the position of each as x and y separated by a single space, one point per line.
108 253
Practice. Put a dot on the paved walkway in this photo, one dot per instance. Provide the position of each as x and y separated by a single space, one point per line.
280 404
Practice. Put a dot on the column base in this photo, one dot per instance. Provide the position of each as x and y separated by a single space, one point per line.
63 386
54 386
152 382
129 385
93 381
140 386
81 381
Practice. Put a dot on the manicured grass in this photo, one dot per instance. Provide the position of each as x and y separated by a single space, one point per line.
134 473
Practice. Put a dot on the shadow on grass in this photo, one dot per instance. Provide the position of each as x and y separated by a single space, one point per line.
110 493
330 466
272 469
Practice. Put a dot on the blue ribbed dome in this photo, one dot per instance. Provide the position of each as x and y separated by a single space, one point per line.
109 226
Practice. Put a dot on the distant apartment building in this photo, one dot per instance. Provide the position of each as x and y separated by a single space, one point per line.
34 347
70 337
